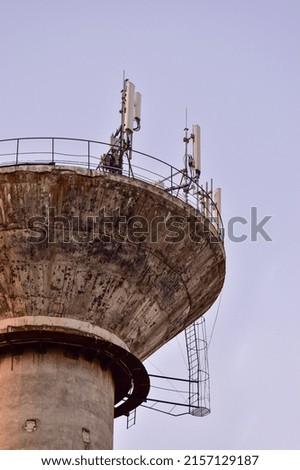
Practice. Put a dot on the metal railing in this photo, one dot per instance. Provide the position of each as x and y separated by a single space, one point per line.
87 154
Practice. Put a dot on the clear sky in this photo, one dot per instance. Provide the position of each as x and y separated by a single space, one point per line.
235 65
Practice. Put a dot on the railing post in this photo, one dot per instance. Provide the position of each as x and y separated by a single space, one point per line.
89 154
17 152
52 150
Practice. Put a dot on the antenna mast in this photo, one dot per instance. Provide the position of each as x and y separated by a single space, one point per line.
121 140
192 168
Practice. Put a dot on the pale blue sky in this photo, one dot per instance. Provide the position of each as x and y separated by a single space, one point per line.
235 65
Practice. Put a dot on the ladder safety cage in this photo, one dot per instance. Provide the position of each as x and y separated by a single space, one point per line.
178 396
199 386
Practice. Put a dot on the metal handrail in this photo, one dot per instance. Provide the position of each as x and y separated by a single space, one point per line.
24 150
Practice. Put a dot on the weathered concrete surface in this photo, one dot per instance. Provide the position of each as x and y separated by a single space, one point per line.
55 401
135 283
48 387
145 293
59 323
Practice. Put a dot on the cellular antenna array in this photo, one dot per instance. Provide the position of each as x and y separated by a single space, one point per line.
121 140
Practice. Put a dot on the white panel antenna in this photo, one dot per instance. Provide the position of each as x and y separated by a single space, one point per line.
129 108
137 106
196 148
217 206
217 198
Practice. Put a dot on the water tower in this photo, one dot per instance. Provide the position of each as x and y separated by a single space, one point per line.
100 265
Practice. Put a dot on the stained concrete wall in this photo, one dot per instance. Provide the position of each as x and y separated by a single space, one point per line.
144 292
55 401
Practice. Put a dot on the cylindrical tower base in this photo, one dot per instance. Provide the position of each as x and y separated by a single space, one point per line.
55 400
63 382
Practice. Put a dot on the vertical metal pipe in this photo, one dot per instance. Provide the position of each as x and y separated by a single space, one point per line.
211 205
206 200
